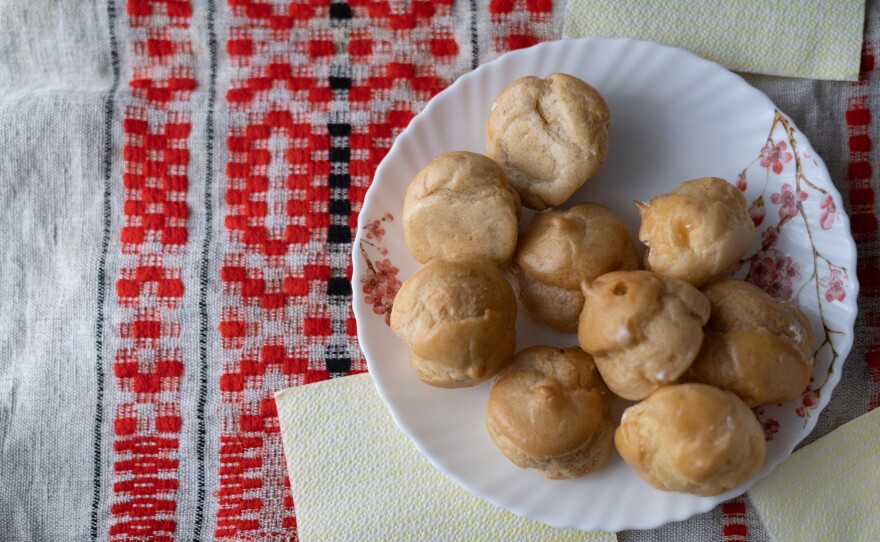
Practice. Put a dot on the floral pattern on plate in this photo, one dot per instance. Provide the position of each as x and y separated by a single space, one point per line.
380 283
777 273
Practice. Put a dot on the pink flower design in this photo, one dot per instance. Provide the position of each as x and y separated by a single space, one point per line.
757 211
828 209
835 283
380 286
375 230
774 273
771 427
383 306
788 200
769 236
741 182
809 401
775 156
808 155
386 271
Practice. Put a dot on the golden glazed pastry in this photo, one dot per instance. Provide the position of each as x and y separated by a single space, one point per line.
691 438
550 135
460 206
643 330
696 232
756 346
560 249
549 410
457 318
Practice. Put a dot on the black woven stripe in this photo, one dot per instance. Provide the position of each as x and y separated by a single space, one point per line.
102 268
203 278
475 46
339 234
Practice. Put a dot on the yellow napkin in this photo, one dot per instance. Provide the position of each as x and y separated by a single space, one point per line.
355 476
812 39
829 490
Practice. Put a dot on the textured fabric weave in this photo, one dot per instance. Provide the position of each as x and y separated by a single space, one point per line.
179 185
817 40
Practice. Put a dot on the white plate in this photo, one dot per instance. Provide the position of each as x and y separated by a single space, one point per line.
675 117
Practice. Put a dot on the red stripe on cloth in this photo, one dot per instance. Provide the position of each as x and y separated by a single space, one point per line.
855 117
734 507
864 215
149 363
516 24
733 518
869 278
873 359
317 93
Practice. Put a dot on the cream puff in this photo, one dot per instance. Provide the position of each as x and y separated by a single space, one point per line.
756 346
643 330
691 438
697 232
560 249
549 410
550 135
457 319
460 206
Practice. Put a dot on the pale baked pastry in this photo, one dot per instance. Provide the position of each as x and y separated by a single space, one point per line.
549 410
696 232
460 206
643 330
550 135
560 249
457 318
691 438
756 346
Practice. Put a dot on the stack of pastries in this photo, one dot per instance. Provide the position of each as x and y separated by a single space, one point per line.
695 350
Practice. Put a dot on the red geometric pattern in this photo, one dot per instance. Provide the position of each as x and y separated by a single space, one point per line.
317 93
155 181
863 218
151 280
733 514
516 24
148 363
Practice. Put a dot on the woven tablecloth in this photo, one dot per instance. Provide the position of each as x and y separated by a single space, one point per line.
179 187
